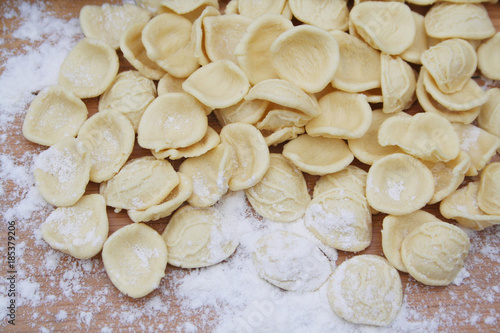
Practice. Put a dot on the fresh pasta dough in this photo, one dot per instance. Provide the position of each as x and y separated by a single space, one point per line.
398 84
489 117
485 53
488 197
325 14
198 35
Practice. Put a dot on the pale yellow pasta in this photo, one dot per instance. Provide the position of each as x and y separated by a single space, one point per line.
135 259
374 95
359 64
399 184
434 253
89 68
425 135
282 194
173 120
256 8
367 290
487 53
134 51
286 94
231 7
250 112
396 228
191 10
351 178
423 2
199 237
398 83
79 230
253 50
208 142
451 63
277 119
420 43
325 14
130 94
284 134
54 114
463 207
222 33
62 172
150 5
287 11
291 262
478 144
219 84
386 26
307 56
366 148
251 154
140 184
170 84
110 138
198 35
448 176
168 205
108 22
489 117
318 155
167 39
488 196
462 20
343 116
210 174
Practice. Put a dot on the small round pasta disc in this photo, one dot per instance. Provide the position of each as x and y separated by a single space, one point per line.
307 56
130 94
462 20
396 228
425 135
485 55
325 14
367 148
108 22
291 262
189 9
340 218
359 64
167 40
251 154
110 138
249 112
210 174
134 51
398 83
420 43
135 259
219 84
399 184
318 155
256 8
168 205
478 144
448 176
366 290
198 35
253 50
284 134
62 172
222 33
199 237
489 118
343 116
55 114
286 94
488 197
170 84
451 63
140 184
79 230
282 194
352 178
462 206
173 120
89 68
434 253
276 119
386 26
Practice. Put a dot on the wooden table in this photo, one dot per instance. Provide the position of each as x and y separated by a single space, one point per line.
462 302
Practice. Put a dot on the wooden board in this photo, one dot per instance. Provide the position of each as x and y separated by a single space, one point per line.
426 300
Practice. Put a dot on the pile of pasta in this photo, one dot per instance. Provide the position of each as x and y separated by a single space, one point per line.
300 74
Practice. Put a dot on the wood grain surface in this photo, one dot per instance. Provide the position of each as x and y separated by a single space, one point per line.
427 299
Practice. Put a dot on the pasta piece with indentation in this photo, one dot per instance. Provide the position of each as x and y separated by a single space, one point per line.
135 259
256 8
489 118
282 194
486 52
276 119
434 253
420 43
249 112
352 178
488 197
89 68
198 35
170 84
190 10
398 83
79 230
62 172
291 262
55 114
284 134
208 142
367 290
199 237
110 138
325 14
